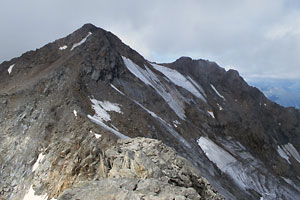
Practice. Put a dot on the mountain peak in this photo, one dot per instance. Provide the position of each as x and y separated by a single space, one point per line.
89 26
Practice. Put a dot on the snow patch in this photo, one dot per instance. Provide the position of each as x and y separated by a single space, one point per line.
287 151
97 136
211 114
114 87
63 47
180 80
102 107
176 123
38 161
75 113
101 114
220 107
10 68
81 42
108 106
216 91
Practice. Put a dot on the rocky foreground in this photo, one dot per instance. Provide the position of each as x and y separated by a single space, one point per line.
142 168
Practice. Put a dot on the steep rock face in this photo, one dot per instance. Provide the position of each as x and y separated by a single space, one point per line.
65 105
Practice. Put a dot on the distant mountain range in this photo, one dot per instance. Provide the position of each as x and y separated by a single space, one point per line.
283 92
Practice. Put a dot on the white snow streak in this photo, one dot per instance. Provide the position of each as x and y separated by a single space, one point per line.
75 113
288 150
171 97
38 161
114 87
216 91
283 154
99 122
211 114
180 80
63 47
10 68
81 42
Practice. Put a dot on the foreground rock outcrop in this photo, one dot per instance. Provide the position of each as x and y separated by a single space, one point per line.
144 168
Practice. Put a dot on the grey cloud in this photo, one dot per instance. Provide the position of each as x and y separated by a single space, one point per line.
258 38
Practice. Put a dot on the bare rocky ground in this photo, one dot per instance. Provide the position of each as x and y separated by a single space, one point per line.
65 106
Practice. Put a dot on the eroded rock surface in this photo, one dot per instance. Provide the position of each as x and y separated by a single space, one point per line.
143 168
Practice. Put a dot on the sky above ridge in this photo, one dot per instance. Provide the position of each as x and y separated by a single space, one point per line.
259 38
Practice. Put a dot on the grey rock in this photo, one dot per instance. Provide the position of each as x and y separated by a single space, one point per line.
117 188
143 168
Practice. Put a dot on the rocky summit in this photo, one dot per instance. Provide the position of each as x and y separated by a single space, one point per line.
87 117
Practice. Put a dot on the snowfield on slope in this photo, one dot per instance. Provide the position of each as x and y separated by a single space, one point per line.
101 109
244 169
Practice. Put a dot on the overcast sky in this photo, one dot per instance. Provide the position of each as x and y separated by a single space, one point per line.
259 38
